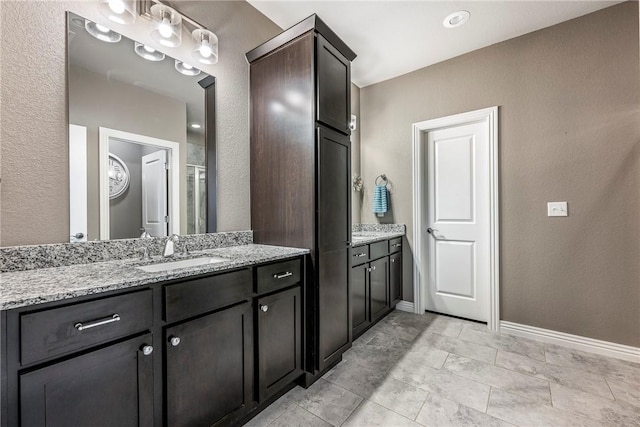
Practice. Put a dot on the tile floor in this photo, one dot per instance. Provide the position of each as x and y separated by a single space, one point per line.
433 370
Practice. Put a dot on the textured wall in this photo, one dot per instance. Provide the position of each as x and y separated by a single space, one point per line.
34 202
569 130
356 201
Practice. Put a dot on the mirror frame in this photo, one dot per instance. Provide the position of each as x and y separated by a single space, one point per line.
209 86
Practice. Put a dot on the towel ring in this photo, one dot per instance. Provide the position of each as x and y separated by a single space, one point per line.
382 177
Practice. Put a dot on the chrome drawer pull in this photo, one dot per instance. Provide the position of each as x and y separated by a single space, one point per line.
81 327
282 275
360 255
397 245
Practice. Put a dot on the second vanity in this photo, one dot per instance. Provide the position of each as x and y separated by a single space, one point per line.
205 345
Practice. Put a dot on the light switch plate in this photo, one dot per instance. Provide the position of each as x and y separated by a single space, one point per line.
557 209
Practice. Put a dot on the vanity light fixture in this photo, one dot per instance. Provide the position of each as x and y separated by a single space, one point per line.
147 52
186 69
101 32
206 46
118 11
166 25
456 19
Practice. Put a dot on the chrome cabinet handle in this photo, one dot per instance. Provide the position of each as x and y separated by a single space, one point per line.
282 275
147 350
393 260
360 255
369 269
397 245
264 308
78 235
175 341
81 326
374 267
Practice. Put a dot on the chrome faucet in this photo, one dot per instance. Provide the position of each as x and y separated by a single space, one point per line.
169 245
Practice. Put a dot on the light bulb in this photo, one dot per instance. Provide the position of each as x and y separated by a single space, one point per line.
102 28
149 49
205 50
165 28
117 6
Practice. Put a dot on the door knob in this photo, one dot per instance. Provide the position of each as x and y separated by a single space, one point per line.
175 341
430 230
147 350
264 308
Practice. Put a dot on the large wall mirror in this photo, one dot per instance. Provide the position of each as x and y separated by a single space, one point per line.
141 139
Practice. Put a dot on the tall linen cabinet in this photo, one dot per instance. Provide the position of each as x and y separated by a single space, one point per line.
300 83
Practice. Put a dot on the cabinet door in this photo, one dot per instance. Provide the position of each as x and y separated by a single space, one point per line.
333 87
378 287
359 298
209 368
334 235
395 278
112 386
279 341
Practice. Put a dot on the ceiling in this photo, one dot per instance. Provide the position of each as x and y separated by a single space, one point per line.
118 61
393 38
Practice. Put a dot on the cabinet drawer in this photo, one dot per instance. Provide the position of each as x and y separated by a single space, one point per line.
395 245
198 296
277 276
57 331
378 249
359 255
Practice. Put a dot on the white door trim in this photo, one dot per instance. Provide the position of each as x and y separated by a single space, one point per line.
420 130
174 189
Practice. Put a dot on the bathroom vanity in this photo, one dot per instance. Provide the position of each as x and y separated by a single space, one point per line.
195 346
376 277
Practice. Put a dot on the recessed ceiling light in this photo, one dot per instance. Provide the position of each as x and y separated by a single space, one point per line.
101 32
195 125
456 19
186 69
148 53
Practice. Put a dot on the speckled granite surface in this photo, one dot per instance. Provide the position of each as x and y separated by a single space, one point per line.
378 228
20 258
22 288
363 234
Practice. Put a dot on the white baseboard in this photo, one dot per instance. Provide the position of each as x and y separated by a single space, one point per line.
605 348
405 306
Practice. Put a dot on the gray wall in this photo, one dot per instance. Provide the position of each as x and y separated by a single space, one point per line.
569 130
125 212
34 199
95 101
356 202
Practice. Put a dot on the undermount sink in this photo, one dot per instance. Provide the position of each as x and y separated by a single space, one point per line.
184 263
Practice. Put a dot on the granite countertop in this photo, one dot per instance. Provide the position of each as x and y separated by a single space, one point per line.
23 288
360 238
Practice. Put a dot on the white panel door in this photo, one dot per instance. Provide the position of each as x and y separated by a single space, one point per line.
77 183
458 220
154 193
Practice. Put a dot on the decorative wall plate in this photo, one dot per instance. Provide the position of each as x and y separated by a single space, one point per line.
118 176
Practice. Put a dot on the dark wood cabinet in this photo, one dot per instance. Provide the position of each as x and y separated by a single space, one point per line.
376 283
225 343
379 287
360 298
333 86
279 320
112 386
395 278
300 171
209 368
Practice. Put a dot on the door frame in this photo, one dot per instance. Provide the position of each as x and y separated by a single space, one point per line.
174 167
419 131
